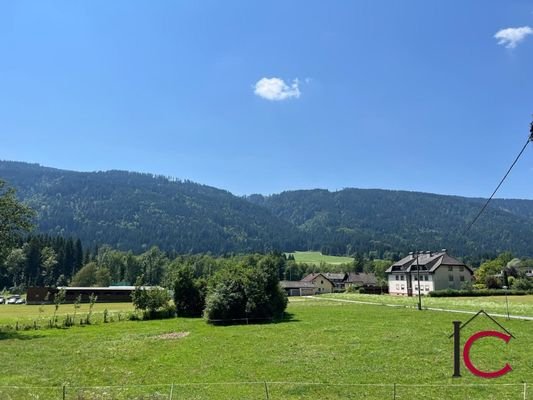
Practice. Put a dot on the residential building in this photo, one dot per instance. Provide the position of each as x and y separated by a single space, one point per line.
337 279
427 272
322 284
360 280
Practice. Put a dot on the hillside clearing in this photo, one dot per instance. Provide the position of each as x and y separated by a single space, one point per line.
315 257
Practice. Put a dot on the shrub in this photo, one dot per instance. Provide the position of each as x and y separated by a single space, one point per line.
522 284
150 300
189 293
352 289
246 291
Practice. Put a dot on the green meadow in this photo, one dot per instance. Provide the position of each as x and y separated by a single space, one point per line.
517 305
323 349
315 257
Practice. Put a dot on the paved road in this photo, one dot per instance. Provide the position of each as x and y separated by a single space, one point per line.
520 317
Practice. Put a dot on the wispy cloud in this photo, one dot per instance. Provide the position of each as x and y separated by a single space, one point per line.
276 89
510 37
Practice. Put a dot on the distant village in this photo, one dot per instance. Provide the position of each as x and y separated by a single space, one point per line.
417 273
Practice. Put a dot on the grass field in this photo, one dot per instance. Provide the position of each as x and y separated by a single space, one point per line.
333 345
25 314
518 305
315 257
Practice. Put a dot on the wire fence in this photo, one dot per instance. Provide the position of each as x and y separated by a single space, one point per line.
272 391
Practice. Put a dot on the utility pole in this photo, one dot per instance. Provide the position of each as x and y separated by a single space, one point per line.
418 278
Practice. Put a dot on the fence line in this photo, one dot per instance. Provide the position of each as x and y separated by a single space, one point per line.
266 387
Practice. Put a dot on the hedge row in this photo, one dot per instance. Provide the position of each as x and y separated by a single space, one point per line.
480 292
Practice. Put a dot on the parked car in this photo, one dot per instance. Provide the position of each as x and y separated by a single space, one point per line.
2 300
20 301
13 299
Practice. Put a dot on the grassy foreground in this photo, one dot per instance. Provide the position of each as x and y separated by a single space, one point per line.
315 257
341 350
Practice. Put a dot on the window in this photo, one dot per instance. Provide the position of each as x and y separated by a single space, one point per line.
321 282
425 277
427 288
461 269
403 287
462 278
450 277
416 287
450 269
397 287
402 277
397 277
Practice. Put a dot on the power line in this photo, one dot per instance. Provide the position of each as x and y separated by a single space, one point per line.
530 139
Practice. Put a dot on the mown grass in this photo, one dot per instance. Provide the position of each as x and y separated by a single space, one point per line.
518 305
331 344
315 257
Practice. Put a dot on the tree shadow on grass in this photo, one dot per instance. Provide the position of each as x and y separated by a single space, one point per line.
287 317
5 335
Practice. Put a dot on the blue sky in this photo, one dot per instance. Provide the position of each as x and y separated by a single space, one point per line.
261 97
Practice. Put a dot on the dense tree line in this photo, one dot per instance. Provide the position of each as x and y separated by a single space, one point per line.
41 260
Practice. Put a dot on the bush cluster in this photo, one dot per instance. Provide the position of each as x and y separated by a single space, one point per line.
247 290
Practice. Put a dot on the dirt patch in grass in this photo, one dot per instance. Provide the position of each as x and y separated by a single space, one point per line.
172 335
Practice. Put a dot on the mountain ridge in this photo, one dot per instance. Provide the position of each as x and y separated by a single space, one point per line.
133 210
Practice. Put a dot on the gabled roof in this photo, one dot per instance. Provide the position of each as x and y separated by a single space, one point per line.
335 276
362 278
425 262
311 277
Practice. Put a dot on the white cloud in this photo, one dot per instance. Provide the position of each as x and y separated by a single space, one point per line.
276 89
510 37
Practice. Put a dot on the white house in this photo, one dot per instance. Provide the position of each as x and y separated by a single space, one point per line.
428 270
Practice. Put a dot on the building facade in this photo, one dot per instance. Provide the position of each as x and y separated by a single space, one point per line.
427 272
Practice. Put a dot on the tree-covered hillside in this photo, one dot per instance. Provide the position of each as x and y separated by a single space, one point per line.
385 221
133 211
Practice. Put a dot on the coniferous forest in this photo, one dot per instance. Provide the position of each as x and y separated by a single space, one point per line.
134 212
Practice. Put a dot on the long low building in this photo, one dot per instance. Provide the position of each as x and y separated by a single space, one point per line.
109 294
298 288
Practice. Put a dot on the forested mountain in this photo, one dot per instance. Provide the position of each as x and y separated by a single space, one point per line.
133 211
385 221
